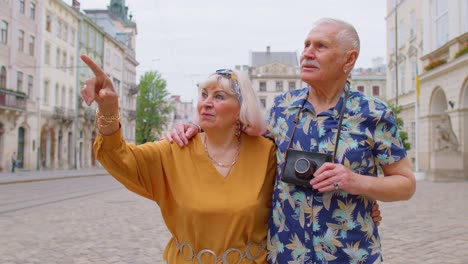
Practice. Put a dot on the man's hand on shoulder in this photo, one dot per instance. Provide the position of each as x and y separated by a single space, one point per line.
181 133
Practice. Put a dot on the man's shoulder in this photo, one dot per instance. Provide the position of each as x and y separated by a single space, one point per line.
371 102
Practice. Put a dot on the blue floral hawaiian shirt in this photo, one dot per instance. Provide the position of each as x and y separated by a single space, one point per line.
307 226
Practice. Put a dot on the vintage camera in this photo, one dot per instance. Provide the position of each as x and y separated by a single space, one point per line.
301 165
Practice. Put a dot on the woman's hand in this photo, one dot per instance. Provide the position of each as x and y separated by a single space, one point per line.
101 90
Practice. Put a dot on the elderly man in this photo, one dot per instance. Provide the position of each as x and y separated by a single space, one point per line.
330 219
331 222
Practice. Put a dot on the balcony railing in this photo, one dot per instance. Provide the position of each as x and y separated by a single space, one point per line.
63 115
12 99
131 114
133 89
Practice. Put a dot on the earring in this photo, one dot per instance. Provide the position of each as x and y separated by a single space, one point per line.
345 71
238 128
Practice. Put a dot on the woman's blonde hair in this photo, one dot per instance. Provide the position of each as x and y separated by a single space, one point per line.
250 114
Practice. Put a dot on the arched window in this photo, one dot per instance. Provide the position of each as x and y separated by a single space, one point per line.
3 77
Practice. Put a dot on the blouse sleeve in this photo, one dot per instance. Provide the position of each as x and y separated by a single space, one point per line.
388 147
138 167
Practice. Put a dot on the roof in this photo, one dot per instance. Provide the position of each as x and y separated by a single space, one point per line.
268 57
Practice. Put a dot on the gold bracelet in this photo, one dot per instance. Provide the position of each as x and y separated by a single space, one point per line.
108 119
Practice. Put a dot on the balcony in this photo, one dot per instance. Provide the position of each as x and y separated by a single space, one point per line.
90 115
133 89
12 99
131 115
63 115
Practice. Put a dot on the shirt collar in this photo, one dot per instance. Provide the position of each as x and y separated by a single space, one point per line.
300 99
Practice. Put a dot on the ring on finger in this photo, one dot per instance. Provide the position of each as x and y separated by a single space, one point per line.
336 185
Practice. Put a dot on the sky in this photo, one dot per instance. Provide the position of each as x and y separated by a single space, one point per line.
186 40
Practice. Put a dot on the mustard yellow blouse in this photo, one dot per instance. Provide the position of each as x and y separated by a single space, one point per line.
200 206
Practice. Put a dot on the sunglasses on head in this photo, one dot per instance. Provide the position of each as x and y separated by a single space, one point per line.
229 74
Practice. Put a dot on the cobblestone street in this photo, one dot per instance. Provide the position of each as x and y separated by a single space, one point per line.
116 226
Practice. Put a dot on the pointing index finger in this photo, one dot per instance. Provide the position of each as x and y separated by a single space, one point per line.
92 65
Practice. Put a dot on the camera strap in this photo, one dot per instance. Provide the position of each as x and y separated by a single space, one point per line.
340 122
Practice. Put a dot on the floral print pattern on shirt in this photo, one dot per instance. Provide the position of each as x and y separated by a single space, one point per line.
307 226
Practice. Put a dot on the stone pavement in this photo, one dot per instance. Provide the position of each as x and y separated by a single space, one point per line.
41 175
119 227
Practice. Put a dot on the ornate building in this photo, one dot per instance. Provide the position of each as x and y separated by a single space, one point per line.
370 81
119 25
43 120
430 38
272 73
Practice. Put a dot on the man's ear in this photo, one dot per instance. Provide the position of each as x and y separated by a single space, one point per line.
350 59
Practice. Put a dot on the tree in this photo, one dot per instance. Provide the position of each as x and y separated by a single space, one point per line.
153 107
400 123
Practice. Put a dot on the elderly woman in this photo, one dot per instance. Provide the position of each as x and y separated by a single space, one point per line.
215 194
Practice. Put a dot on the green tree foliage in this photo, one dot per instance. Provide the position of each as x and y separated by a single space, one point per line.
153 107
400 123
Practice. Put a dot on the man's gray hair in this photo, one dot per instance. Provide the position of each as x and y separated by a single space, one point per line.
347 36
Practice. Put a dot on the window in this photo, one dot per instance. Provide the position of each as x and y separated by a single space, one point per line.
47 54
57 93
21 40
412 26
30 85
107 57
21 6
392 40
64 61
402 77
4 32
116 85
57 58
72 37
84 32
413 74
292 85
19 81
32 40
360 88
263 102
45 94
70 99
32 11
63 96
59 29
71 68
441 22
375 90
262 86
65 32
3 77
92 39
279 86
401 33
49 23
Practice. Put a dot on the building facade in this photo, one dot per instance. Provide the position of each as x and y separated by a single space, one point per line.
273 73
183 112
429 39
119 25
44 123
20 72
370 81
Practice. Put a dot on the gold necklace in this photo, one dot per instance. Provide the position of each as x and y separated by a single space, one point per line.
222 164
